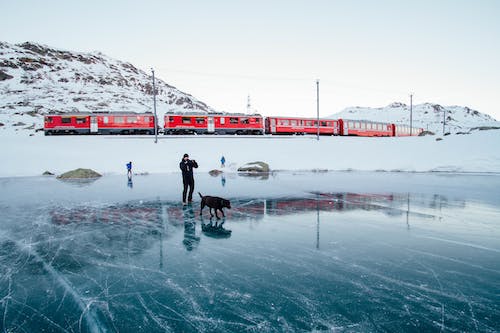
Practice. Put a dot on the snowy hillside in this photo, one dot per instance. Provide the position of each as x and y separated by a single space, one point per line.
36 79
427 116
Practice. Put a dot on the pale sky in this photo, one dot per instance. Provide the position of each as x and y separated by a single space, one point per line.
365 53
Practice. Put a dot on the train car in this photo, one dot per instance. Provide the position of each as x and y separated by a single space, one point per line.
365 128
99 123
404 130
294 125
184 123
67 123
123 123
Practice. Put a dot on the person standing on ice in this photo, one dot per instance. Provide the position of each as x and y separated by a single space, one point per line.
129 170
187 166
222 161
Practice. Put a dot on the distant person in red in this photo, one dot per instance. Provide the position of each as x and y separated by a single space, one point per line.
187 166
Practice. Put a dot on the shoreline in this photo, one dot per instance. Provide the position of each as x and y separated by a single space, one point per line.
271 173
32 156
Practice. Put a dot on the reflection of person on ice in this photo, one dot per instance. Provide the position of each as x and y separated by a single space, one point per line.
187 166
129 170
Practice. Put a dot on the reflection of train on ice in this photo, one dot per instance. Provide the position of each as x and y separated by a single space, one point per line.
216 123
156 212
343 201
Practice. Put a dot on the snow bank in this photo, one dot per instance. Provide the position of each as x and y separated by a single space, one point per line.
32 155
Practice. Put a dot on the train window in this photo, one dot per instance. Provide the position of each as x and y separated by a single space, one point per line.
200 120
257 120
131 120
186 120
293 122
66 120
222 120
233 120
105 120
146 119
119 120
308 123
349 123
284 122
81 120
244 121
50 120
323 123
171 119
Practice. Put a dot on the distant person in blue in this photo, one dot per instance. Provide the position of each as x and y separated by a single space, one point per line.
129 170
186 167
222 161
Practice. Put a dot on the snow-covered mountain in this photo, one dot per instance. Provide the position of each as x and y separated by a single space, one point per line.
427 116
36 79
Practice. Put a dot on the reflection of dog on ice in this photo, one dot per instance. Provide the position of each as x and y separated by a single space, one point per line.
215 230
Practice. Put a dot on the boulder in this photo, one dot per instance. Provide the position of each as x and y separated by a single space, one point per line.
424 133
260 167
48 173
79 174
215 172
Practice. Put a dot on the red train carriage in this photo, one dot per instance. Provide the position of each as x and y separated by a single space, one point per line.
99 123
213 124
365 128
286 125
404 130
68 123
123 123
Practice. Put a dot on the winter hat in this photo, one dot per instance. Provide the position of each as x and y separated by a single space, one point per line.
185 155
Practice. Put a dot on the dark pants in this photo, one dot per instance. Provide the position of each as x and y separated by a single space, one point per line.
188 182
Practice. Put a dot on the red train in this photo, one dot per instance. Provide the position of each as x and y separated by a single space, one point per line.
215 123
256 124
99 123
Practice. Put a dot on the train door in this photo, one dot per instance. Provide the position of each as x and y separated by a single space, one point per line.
273 125
93 124
210 125
346 128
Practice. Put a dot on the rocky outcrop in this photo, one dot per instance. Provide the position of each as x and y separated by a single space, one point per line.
79 174
215 172
255 167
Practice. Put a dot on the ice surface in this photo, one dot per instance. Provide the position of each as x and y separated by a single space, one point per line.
298 252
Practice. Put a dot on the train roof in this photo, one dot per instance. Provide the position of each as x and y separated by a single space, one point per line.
96 113
223 114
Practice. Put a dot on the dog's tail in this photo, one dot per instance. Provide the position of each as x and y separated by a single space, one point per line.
200 195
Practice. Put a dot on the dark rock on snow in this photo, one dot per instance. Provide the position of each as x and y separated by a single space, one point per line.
79 174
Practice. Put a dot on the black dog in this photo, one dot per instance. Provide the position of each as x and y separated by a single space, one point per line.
214 202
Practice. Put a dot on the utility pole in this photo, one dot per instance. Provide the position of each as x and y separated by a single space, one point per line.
317 109
444 119
411 114
154 106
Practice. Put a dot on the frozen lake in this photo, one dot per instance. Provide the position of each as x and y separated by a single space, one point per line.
318 252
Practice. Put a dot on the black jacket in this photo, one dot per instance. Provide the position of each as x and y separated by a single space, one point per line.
187 168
